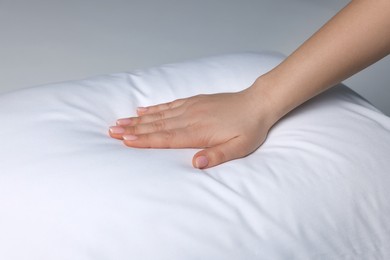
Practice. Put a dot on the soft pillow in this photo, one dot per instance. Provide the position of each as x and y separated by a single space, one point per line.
317 189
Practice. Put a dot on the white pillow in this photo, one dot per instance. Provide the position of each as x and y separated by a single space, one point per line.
317 189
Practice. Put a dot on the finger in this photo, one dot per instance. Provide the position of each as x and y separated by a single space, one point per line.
153 127
156 126
210 157
176 138
131 121
160 107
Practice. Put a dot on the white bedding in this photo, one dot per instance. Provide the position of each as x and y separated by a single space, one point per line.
317 189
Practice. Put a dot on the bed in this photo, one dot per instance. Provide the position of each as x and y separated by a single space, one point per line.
318 188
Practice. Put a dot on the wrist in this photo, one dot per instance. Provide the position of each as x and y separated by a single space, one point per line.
283 94
269 98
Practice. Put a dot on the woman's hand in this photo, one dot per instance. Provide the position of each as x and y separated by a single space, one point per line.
227 125
232 125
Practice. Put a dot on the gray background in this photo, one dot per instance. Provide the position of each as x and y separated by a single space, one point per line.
44 41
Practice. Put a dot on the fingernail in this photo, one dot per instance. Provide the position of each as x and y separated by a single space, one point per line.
117 130
142 109
123 121
130 137
201 162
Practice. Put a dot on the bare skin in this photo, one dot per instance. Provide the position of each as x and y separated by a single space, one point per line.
229 126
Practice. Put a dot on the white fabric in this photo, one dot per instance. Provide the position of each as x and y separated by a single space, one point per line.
317 189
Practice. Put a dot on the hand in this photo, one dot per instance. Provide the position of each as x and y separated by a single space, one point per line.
227 125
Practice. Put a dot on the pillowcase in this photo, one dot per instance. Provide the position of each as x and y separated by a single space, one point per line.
318 188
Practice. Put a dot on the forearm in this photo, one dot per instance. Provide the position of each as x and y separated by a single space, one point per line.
356 37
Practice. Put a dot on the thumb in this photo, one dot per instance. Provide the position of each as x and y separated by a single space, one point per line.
233 149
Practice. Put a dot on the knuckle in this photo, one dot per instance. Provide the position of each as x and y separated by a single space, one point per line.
168 136
146 141
219 155
136 120
132 130
160 140
171 105
176 103
158 126
161 115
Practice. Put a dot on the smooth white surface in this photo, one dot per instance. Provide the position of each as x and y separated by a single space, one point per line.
49 41
317 189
